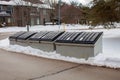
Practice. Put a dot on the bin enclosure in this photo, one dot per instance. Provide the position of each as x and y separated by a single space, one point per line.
72 44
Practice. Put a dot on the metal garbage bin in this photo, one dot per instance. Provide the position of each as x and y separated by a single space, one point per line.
47 41
83 45
13 38
22 39
34 41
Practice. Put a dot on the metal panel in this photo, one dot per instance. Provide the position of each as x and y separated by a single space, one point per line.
67 37
26 35
94 37
38 35
49 47
75 51
51 36
81 37
88 37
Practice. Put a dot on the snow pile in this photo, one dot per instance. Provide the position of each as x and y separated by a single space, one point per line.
106 60
4 43
111 45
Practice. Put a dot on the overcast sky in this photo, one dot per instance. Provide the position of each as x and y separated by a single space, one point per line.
81 1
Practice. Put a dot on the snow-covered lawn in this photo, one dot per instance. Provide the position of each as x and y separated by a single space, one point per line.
111 45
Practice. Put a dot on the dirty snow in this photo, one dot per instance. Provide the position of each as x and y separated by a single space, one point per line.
111 45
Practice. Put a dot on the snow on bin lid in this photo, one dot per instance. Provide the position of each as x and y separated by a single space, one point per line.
16 35
38 35
88 37
26 35
51 36
67 37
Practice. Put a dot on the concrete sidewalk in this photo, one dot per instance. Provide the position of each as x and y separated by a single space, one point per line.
18 66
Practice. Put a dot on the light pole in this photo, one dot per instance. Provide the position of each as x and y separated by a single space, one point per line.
59 15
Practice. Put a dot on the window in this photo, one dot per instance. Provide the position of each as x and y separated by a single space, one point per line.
4 7
44 12
9 20
9 7
38 21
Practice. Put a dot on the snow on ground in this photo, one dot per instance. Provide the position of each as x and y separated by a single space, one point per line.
111 45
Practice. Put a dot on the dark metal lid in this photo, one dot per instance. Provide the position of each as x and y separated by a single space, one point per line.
51 36
62 37
67 37
26 35
38 35
88 37
16 35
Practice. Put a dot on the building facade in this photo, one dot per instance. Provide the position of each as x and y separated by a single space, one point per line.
22 15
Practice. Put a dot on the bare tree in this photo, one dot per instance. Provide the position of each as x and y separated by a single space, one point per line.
52 4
